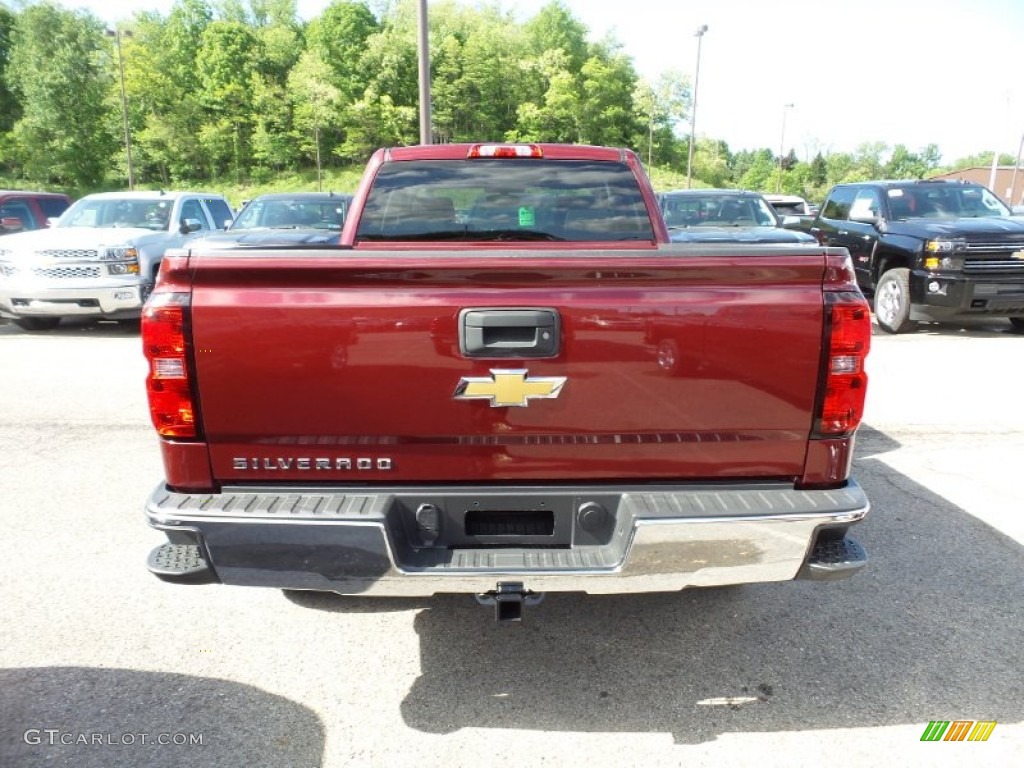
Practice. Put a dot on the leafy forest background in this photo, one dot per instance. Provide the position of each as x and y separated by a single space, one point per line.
241 97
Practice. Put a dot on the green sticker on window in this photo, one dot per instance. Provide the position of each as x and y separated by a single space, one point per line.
526 217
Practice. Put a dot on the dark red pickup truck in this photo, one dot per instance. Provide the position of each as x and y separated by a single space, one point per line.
20 210
466 395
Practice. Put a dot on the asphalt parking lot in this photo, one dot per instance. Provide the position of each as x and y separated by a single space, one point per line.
103 665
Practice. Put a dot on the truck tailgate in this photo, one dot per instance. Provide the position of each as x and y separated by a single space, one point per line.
342 366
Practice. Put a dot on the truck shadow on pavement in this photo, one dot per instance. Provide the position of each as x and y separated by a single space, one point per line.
968 329
105 718
929 630
76 326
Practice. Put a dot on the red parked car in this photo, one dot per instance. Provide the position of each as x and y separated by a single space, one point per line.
21 210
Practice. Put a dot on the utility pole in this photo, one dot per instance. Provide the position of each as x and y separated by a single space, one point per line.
693 110
424 61
116 33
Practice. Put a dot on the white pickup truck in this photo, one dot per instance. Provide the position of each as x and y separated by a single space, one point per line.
101 257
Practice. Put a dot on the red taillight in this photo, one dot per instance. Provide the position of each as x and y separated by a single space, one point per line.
848 329
163 341
505 150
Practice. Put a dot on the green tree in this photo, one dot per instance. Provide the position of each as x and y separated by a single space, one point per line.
273 145
555 28
476 81
608 81
231 10
555 50
447 89
840 167
819 172
556 117
385 112
660 107
276 26
60 63
226 65
711 162
316 101
183 39
904 164
376 121
982 159
761 173
930 156
10 104
868 161
10 108
340 36
165 93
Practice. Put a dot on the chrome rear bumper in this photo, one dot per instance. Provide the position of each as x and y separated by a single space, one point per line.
654 539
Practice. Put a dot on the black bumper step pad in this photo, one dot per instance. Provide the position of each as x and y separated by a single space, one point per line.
834 559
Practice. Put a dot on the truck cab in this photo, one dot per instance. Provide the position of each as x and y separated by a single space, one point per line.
928 250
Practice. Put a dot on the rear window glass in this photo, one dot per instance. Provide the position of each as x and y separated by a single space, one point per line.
505 199
838 204
292 214
789 209
53 207
219 210
944 201
716 209
16 214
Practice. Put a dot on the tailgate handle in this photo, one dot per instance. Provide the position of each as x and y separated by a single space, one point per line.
524 333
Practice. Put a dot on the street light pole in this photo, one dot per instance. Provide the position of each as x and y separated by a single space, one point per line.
782 143
693 109
116 33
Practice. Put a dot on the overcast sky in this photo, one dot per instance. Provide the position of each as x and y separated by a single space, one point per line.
913 72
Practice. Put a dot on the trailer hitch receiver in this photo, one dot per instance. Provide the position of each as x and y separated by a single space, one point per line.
508 600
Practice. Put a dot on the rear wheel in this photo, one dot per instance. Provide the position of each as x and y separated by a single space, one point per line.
37 323
892 301
1017 324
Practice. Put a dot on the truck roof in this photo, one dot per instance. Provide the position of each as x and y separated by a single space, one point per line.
153 194
31 193
706 191
910 182
461 151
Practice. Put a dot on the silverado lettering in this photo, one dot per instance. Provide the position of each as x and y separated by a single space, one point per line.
568 400
307 464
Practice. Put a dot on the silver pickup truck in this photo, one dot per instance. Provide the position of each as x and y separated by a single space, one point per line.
101 257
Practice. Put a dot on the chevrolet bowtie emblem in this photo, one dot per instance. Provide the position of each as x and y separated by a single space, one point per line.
1017 255
508 387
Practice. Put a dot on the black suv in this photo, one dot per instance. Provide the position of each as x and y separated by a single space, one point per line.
929 250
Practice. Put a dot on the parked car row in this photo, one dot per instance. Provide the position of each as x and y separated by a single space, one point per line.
101 256
925 250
